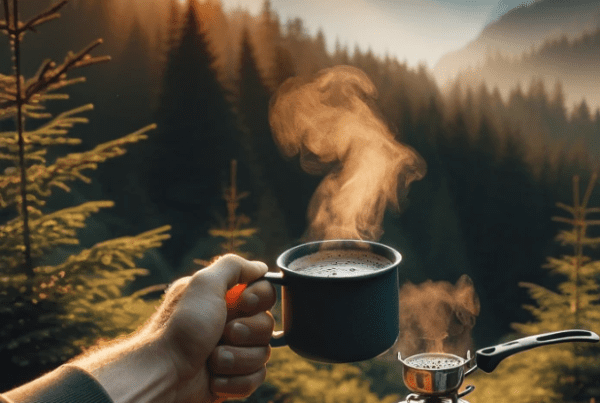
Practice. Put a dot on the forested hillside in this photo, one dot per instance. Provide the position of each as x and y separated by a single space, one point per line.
519 30
495 168
569 63
496 165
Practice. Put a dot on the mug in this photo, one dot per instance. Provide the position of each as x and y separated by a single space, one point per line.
338 319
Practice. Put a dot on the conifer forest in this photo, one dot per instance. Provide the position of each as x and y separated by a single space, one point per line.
136 146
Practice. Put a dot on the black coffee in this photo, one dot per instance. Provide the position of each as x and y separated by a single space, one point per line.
339 263
433 362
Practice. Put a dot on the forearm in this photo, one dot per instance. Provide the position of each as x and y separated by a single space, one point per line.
133 371
67 384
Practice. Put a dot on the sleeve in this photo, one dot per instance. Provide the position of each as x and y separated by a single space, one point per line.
67 384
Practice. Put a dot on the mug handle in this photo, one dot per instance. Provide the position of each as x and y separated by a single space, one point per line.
278 338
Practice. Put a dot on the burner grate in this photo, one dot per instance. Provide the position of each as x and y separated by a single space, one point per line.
449 398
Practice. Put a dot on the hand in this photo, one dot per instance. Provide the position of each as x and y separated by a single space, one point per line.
195 349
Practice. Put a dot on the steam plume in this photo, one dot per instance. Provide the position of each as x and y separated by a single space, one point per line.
437 317
330 120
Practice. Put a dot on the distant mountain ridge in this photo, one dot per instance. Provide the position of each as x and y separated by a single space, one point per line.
504 6
573 63
520 30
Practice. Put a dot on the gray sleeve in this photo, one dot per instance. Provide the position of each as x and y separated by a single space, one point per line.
67 384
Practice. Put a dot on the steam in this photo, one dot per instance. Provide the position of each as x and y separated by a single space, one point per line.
330 120
437 317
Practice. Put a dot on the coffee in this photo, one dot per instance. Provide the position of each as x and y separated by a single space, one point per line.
433 361
339 263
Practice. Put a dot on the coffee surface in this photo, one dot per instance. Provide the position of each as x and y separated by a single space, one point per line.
433 362
339 263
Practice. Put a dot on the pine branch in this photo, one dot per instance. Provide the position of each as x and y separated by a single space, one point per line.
116 253
565 207
20 123
52 132
48 78
588 191
72 61
44 16
41 178
47 231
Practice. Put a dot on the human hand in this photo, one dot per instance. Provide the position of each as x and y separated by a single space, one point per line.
196 348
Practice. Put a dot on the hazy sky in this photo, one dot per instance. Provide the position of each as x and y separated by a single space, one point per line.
412 30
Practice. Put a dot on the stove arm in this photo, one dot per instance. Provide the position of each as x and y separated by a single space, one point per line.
468 389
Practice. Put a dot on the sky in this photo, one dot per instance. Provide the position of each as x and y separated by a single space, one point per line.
415 31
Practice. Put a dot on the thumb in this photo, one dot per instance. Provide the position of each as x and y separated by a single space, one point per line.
230 270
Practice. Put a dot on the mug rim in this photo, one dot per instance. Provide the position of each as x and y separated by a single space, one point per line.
285 258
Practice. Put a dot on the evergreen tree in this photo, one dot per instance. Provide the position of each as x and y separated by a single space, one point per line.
340 54
173 25
49 313
133 87
268 38
269 170
196 140
565 372
233 229
283 66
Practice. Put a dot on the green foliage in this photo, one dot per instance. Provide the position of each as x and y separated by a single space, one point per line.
196 124
233 229
49 313
565 372
292 379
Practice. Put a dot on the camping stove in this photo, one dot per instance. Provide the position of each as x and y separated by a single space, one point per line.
447 398
437 377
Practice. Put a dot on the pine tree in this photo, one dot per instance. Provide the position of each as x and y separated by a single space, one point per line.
197 138
234 228
283 66
268 37
133 87
267 167
49 313
565 372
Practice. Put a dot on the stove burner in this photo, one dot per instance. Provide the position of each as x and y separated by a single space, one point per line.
449 398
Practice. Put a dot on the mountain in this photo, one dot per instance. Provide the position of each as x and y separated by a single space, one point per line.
503 7
520 30
573 63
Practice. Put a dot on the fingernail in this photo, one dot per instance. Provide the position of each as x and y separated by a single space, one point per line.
241 331
225 358
220 383
252 300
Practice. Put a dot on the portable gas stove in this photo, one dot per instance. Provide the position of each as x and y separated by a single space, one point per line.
447 398
437 377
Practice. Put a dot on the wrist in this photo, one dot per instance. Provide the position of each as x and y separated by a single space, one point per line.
133 371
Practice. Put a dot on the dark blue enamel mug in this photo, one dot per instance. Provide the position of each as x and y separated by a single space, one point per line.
339 300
